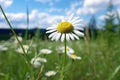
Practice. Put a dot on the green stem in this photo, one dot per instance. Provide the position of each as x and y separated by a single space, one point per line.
64 62
40 73
65 51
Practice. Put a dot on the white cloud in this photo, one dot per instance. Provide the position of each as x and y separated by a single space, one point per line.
82 8
6 3
86 11
95 3
37 19
116 2
21 16
49 2
106 16
47 20
103 17
73 7
118 10
16 16
3 25
34 15
55 10
23 25
91 6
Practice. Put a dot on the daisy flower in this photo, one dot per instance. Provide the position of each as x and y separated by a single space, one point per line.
45 51
3 48
36 62
69 28
13 39
50 73
20 39
74 56
68 50
20 50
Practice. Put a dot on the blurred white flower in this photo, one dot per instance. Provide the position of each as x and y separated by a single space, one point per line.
45 51
3 48
37 61
74 56
20 50
68 50
19 38
50 73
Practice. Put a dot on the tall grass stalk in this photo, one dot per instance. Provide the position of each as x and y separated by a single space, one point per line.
25 56
26 32
114 73
87 39
40 73
88 48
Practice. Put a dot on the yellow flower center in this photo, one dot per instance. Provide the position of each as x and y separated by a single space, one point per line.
67 49
65 27
73 56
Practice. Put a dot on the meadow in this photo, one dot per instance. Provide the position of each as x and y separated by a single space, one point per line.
99 61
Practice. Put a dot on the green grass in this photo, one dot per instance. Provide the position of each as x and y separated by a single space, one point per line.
99 63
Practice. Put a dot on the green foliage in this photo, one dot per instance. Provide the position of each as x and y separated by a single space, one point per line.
99 64
92 26
110 18
118 26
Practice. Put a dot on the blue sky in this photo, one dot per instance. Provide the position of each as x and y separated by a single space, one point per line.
43 13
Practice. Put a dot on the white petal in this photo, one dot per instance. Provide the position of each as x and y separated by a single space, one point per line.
77 25
74 19
52 34
77 21
51 30
62 37
69 54
71 36
67 37
78 33
58 36
70 17
79 58
54 37
79 28
75 36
